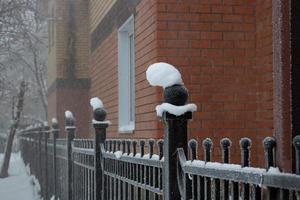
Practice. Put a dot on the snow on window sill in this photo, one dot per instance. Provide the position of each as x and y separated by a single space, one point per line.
126 128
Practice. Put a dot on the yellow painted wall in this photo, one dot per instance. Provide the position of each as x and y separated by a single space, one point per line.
98 9
57 56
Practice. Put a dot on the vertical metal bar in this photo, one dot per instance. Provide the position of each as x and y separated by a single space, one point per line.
225 145
70 129
55 132
207 146
245 144
235 191
269 147
175 136
40 156
141 169
296 143
99 140
46 136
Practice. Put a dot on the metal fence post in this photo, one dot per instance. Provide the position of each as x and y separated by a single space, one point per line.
269 147
245 144
296 143
100 127
70 129
175 136
55 132
46 136
40 156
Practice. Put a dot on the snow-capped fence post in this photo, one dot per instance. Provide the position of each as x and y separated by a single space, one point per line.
55 132
296 143
175 136
70 129
269 147
46 129
39 131
175 114
100 126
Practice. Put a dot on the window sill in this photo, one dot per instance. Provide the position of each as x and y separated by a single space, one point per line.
126 129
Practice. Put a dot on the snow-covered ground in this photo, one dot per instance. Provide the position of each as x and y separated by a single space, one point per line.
20 185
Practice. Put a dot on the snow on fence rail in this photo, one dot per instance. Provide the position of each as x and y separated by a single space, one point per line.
168 169
103 168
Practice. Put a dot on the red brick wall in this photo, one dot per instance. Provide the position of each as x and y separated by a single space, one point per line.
77 101
224 53
223 49
104 74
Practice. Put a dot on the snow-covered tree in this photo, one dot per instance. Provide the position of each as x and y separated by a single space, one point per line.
23 55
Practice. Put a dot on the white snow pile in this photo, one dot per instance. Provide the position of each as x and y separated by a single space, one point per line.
54 121
20 184
274 170
118 154
96 103
175 110
163 74
69 114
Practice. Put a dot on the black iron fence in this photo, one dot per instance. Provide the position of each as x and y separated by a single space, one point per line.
110 169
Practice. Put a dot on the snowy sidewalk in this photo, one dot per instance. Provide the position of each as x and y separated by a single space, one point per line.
19 185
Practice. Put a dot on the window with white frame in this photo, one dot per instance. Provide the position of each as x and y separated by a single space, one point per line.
126 76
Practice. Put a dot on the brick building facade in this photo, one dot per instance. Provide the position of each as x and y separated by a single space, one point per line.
234 56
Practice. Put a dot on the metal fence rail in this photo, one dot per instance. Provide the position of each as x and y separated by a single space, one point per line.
211 180
132 174
83 167
112 169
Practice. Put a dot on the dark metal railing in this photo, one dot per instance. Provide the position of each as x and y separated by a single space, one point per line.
132 174
212 180
169 168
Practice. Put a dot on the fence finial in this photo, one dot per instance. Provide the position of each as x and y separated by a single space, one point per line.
225 145
69 118
160 144
98 109
54 123
151 145
134 143
245 144
128 143
207 146
142 145
296 143
269 145
193 146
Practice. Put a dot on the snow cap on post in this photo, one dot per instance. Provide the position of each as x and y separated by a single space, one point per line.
99 111
163 74
54 123
69 118
175 94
